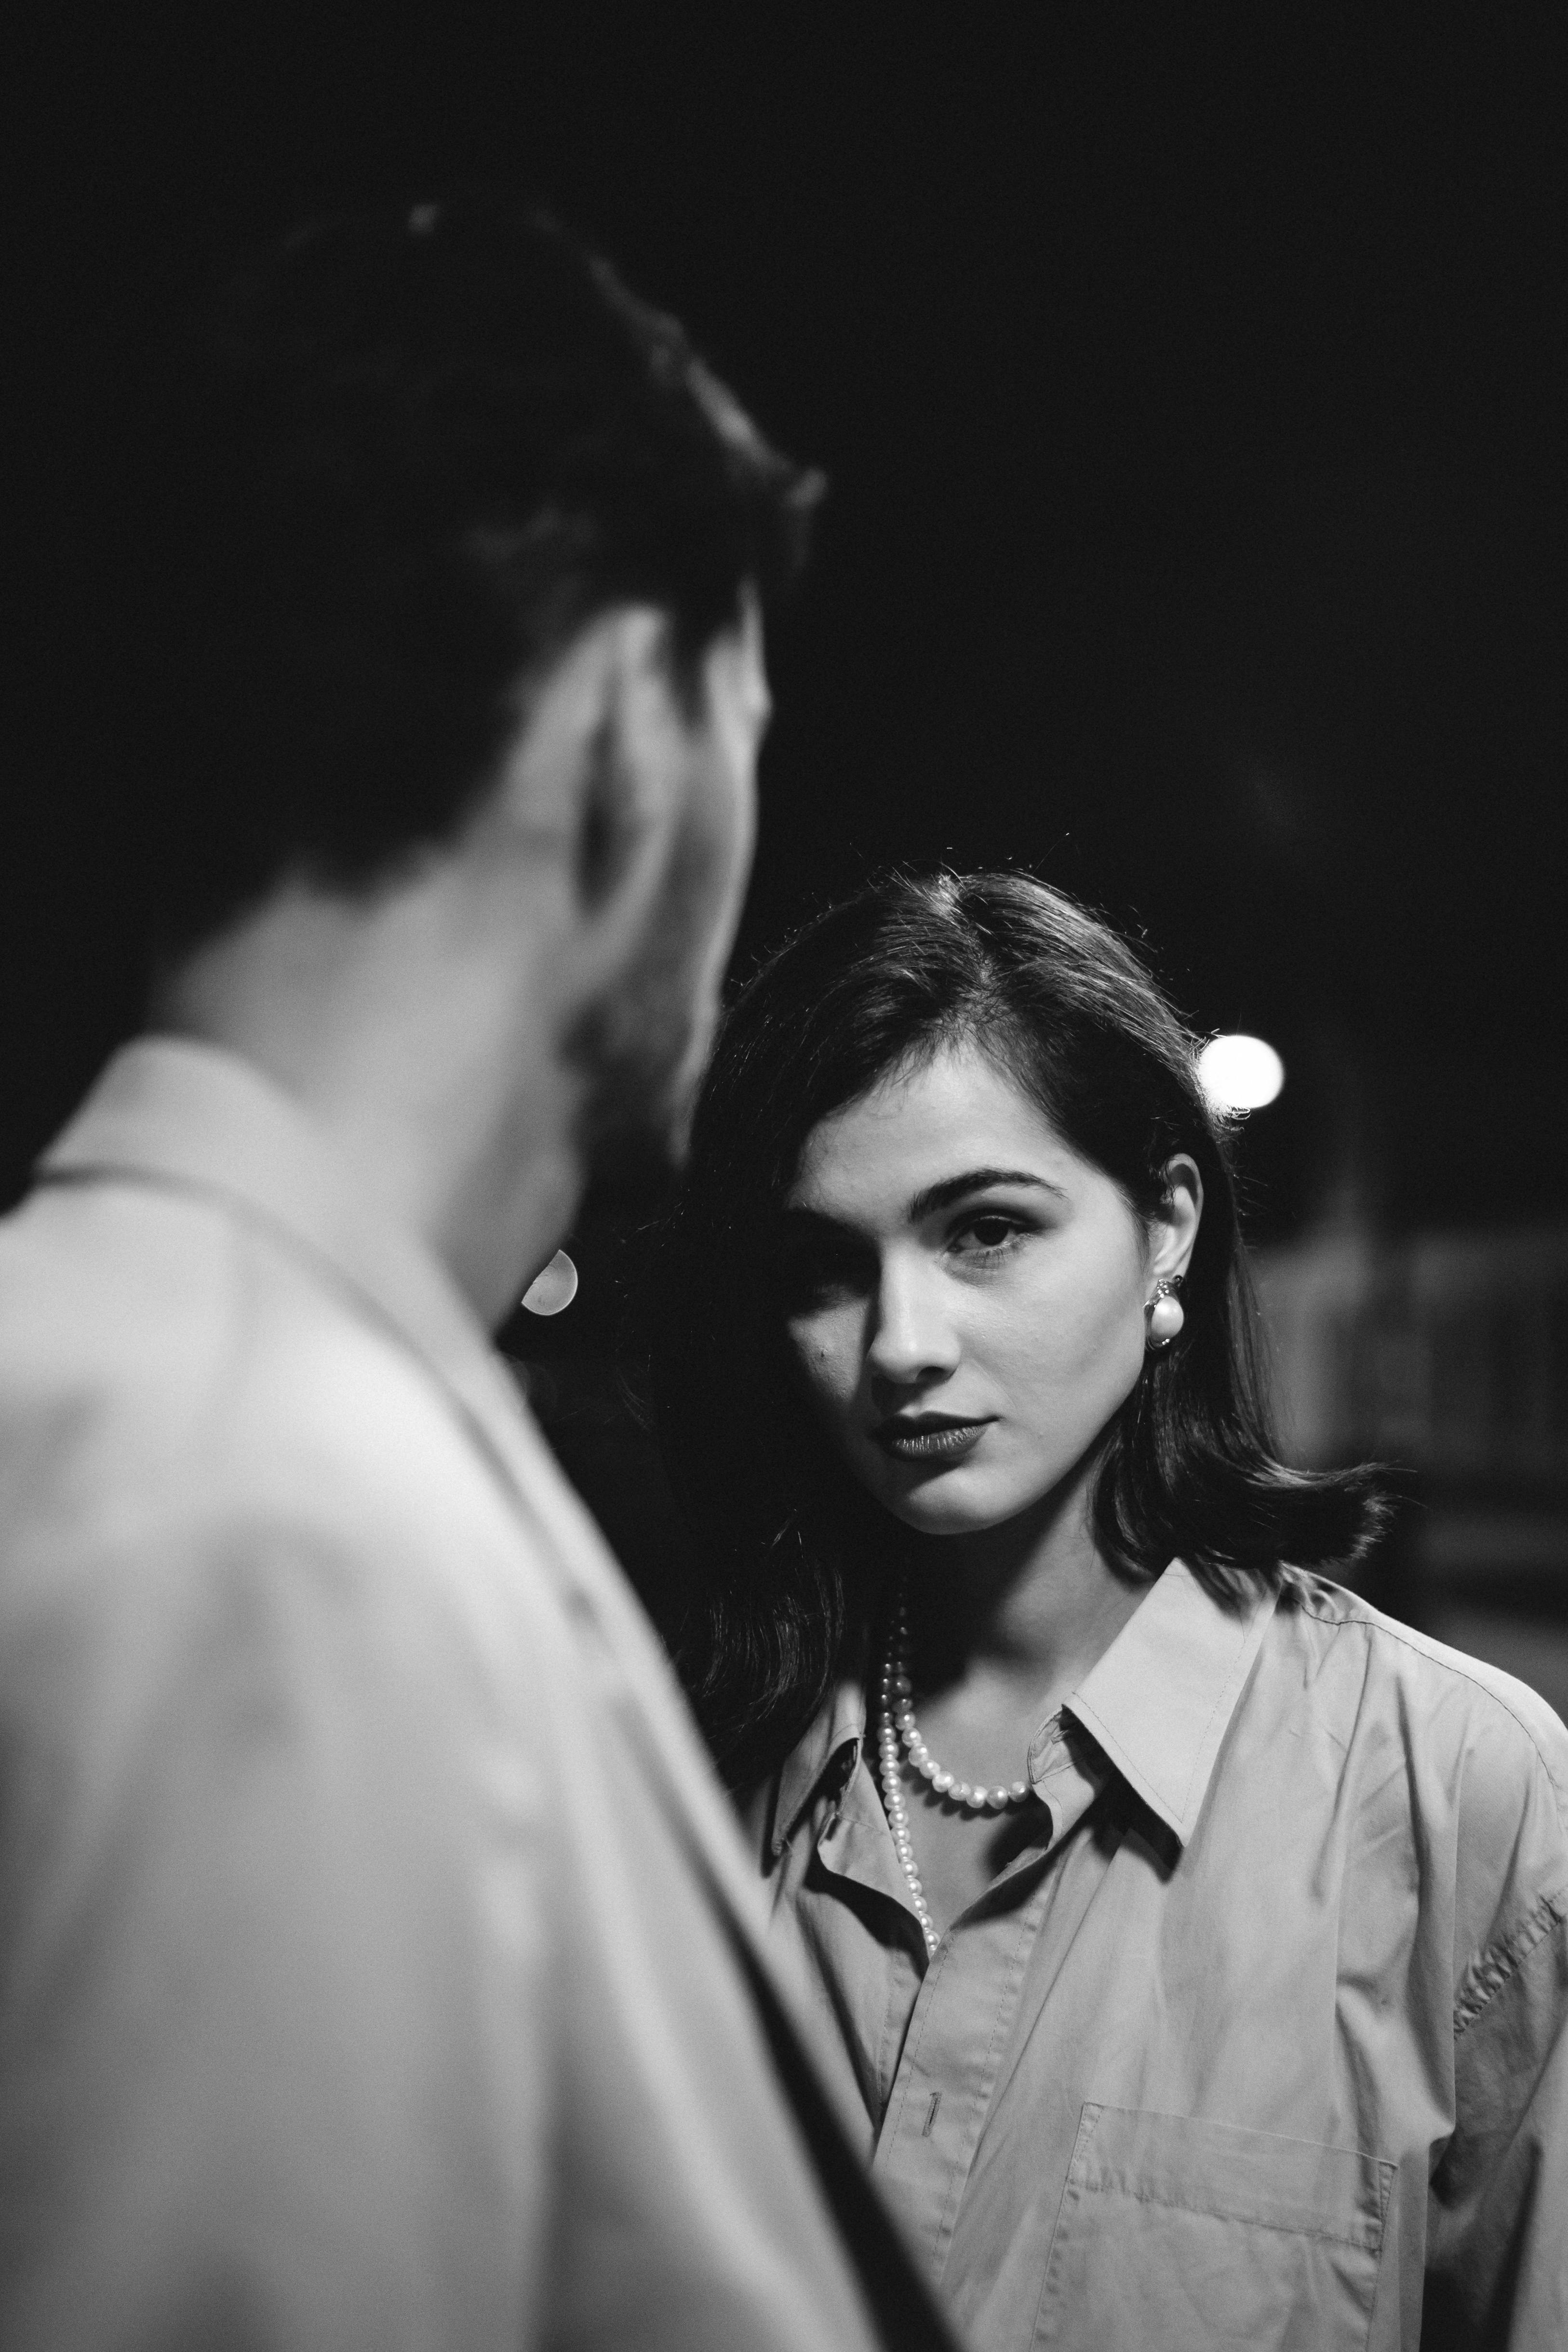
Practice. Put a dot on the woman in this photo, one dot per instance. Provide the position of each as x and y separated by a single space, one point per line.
1188 1936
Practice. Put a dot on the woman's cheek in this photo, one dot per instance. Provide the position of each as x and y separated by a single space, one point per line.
820 1367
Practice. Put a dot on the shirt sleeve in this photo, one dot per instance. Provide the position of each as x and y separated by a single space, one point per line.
275 2068
1498 2242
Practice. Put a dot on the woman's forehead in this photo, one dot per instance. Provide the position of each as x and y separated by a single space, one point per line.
923 1125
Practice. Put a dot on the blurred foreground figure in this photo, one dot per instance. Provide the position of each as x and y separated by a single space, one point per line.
1192 1938
376 1968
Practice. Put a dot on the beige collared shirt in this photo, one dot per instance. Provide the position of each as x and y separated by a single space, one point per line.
1266 2036
378 1966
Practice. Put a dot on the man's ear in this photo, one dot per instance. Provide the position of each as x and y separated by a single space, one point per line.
605 826
626 794
592 785
1173 1229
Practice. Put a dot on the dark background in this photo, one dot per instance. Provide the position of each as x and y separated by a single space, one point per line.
1192 387
1192 391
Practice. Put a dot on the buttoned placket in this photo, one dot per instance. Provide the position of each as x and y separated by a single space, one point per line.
950 2020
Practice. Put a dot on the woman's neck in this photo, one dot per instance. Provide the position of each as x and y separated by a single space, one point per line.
1032 1603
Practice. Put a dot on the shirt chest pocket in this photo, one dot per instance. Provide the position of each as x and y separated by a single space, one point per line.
1185 2235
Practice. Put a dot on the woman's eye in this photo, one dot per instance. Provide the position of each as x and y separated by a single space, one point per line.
986 1235
810 1268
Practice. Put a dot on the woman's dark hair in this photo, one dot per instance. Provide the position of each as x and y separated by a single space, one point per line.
791 1552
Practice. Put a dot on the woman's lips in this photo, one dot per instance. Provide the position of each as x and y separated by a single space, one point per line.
915 1441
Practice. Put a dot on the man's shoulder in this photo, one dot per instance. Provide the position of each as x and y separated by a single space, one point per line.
149 1322
175 1388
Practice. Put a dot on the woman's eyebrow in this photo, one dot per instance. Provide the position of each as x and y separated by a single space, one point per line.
975 1179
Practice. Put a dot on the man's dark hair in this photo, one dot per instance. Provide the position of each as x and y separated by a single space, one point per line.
792 1555
367 482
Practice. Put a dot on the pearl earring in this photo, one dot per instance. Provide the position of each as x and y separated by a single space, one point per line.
1165 1313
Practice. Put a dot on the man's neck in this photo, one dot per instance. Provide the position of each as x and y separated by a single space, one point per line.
447 1103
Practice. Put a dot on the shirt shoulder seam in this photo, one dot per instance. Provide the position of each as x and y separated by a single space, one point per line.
1492 1969
1393 1634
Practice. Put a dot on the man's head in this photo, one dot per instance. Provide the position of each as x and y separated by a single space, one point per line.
434 543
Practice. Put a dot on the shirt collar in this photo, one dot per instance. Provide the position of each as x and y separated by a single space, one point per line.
1159 1702
185 1114
838 1723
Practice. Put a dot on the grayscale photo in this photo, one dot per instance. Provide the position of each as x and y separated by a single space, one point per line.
783 1223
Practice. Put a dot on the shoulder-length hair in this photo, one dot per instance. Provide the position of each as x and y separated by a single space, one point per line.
791 1553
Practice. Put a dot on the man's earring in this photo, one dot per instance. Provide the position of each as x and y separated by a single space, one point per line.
1164 1313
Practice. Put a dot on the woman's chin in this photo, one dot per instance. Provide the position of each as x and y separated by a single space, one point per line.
947 1507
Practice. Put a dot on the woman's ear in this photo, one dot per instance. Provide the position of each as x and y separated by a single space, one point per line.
1173 1228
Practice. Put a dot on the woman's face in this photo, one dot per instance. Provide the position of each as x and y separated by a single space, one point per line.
965 1295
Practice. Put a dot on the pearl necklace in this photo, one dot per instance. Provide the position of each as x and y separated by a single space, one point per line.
897 1729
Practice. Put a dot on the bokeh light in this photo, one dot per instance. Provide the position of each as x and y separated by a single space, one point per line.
1240 1073
552 1291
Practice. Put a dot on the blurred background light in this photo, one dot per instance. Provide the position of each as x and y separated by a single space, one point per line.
1240 1073
552 1290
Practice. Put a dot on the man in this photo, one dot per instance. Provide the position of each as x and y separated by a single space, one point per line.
375 1969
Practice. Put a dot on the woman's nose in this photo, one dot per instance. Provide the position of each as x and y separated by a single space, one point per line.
912 1338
